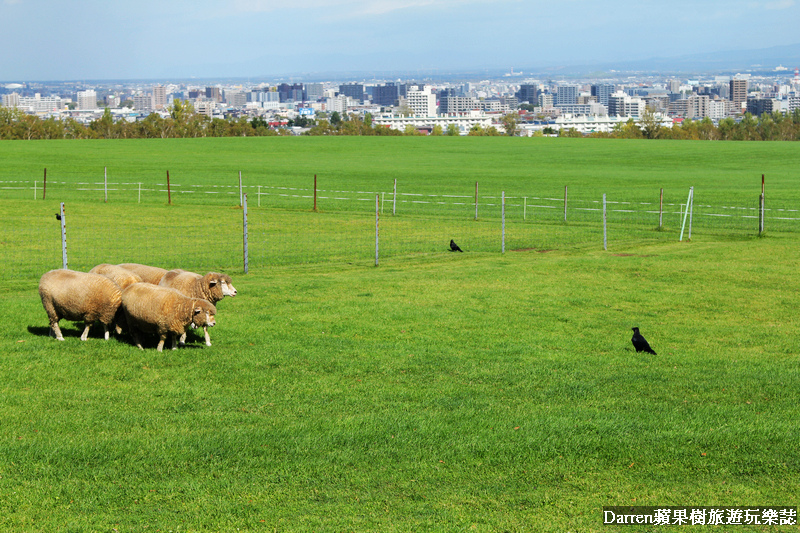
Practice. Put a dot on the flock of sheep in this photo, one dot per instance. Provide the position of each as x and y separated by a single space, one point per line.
147 299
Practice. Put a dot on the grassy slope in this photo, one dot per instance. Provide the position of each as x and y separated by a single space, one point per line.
728 171
450 392
499 393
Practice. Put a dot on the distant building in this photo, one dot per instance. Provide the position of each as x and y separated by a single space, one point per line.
528 93
762 106
353 90
422 101
602 91
214 94
142 103
794 102
623 105
159 97
545 100
738 93
450 103
34 104
290 93
87 99
567 95
697 106
314 92
336 104
236 98
385 95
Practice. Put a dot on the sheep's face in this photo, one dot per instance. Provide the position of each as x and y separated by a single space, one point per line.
204 315
227 287
213 287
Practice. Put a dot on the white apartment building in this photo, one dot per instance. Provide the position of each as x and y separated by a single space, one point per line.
719 109
622 105
794 102
463 121
34 104
336 104
87 99
142 103
205 107
697 106
422 102
545 100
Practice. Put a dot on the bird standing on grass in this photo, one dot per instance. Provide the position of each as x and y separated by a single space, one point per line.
454 247
640 343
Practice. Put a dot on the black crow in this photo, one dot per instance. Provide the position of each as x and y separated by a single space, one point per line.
640 343
454 247
58 217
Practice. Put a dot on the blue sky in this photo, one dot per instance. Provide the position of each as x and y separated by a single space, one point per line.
102 39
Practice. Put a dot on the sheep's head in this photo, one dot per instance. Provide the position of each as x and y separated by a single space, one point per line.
203 314
227 285
212 287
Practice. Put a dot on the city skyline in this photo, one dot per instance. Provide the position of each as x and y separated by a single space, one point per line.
44 40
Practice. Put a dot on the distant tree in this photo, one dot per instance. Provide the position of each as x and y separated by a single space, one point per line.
411 130
336 119
453 131
649 124
437 130
511 124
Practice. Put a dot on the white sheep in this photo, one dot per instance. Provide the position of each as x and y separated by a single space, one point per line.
119 275
161 310
212 287
149 274
83 296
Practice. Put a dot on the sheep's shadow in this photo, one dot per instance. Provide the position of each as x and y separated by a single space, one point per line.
148 340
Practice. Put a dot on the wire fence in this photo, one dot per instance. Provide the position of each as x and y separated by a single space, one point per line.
207 232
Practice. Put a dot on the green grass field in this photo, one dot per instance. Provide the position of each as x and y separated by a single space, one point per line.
436 392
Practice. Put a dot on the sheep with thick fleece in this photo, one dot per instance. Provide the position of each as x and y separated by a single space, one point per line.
81 296
161 310
149 274
212 287
119 275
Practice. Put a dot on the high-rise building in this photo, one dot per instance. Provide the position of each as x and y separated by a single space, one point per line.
623 105
528 93
738 92
385 95
159 97
602 91
698 106
353 90
422 101
214 94
142 103
314 92
567 95
87 99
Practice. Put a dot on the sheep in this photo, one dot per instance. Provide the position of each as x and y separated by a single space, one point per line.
79 296
161 310
149 274
119 275
212 287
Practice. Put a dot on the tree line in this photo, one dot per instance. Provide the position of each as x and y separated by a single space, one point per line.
184 122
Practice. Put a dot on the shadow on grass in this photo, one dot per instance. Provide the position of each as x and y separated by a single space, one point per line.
148 341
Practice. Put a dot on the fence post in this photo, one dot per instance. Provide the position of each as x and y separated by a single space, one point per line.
244 234
524 208
565 203
259 196
377 233
661 209
34 189
44 186
315 193
63 236
241 197
140 192
605 224
169 191
503 216
105 183
394 198
476 200
691 211
761 214
686 214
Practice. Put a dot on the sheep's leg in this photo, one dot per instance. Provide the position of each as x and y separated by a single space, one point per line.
208 338
161 342
183 339
55 331
135 337
105 331
174 341
85 334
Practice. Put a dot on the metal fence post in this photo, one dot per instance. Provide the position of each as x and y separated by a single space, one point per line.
377 218
244 233
605 224
63 218
503 216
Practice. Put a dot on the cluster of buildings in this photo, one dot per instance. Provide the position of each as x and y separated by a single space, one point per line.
592 105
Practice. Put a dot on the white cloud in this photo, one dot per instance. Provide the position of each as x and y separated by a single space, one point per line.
779 4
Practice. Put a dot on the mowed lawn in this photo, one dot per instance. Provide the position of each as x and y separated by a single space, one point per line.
441 392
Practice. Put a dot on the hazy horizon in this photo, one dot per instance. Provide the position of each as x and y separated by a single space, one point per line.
45 40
